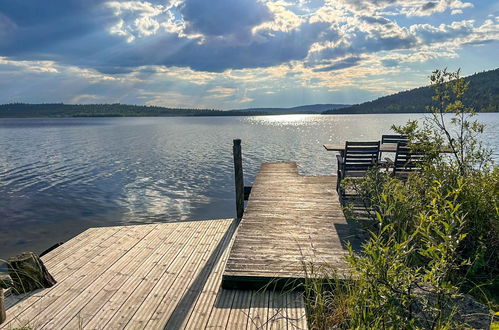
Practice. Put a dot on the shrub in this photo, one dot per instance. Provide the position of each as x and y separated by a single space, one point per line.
437 233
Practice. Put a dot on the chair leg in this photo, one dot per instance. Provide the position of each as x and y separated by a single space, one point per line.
339 189
338 181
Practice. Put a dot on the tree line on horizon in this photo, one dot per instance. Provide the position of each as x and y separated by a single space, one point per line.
482 95
55 110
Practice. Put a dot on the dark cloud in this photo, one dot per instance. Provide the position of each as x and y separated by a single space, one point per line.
429 5
375 20
342 64
76 32
224 17
49 29
363 43
219 55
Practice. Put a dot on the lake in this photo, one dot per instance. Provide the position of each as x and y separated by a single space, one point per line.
59 177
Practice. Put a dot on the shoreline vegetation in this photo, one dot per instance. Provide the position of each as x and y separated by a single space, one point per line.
482 96
431 260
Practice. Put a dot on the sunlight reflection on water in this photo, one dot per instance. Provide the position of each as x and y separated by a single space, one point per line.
61 176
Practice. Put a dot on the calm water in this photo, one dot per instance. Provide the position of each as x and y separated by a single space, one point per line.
61 176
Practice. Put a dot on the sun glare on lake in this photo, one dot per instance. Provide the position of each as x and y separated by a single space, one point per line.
283 120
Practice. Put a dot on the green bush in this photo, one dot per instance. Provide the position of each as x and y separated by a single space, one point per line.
437 232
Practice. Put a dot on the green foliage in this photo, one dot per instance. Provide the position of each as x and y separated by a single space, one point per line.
327 297
404 276
437 233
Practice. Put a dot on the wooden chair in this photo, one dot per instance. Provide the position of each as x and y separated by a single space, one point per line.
355 160
393 138
407 161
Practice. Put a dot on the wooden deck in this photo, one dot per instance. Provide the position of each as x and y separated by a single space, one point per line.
151 277
291 222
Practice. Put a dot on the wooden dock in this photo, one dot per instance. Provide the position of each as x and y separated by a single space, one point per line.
150 277
291 223
198 274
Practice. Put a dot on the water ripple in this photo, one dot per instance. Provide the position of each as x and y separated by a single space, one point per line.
61 176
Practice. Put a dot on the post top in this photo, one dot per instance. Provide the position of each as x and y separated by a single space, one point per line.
237 141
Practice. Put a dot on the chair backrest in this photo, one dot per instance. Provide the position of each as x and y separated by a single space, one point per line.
361 156
393 138
407 160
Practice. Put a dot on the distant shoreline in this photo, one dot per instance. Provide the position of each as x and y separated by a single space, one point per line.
217 115
58 110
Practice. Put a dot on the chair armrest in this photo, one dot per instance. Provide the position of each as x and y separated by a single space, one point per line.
340 160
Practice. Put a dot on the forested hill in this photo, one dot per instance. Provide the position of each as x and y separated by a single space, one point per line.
311 108
23 110
482 95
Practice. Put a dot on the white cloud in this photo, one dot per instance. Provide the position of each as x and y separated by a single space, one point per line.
30 66
139 19
284 20
246 100
398 7
221 92
84 98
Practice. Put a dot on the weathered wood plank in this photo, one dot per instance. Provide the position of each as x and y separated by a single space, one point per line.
129 282
198 301
290 221
94 247
144 299
146 251
56 296
183 282
151 276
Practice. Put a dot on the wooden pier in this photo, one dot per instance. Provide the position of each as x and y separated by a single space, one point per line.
291 224
198 274
150 277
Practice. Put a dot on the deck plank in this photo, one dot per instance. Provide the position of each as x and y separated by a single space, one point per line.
83 257
125 264
130 281
130 306
83 277
137 259
150 276
290 222
182 283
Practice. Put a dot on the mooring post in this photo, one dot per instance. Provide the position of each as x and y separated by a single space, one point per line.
3 316
238 176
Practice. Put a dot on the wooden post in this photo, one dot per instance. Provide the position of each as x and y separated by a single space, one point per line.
3 316
238 176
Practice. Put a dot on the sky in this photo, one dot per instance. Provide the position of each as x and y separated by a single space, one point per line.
230 54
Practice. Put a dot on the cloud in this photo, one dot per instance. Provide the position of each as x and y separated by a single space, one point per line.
118 37
224 51
85 98
224 17
284 19
341 64
457 33
221 92
400 7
